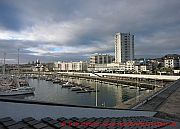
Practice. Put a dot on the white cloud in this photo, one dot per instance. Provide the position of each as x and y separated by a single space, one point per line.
60 32
74 27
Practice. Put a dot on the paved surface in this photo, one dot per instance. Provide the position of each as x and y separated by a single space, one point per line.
18 114
87 123
161 77
172 104
167 101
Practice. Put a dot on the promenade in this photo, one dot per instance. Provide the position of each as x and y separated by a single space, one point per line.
167 100
172 104
145 76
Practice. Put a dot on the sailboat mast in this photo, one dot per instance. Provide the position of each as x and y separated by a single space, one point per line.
4 68
18 63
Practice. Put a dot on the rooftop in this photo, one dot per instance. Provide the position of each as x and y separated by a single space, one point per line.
22 114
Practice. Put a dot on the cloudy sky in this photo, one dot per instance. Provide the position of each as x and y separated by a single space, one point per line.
53 30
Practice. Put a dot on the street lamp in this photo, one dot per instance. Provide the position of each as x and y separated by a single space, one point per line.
96 94
96 88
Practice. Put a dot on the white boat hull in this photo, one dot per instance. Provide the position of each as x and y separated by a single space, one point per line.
13 93
10 86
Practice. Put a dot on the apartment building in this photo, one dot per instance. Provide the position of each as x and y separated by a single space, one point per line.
172 61
124 47
101 59
70 66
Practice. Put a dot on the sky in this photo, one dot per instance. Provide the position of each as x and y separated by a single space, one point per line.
72 30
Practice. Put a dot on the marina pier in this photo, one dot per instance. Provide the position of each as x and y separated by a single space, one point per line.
119 80
138 80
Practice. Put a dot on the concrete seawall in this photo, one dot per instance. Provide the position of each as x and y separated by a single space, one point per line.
118 79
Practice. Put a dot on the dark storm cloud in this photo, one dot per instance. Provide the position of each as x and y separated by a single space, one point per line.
56 29
9 16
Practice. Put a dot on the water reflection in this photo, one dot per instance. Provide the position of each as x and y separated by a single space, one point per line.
109 95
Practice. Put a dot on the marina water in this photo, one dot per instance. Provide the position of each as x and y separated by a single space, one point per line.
109 95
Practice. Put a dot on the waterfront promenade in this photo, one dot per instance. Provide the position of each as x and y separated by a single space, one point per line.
167 100
145 76
172 104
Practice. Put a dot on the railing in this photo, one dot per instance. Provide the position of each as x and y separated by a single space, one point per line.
153 95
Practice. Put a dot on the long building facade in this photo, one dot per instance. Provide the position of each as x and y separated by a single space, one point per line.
101 59
70 66
124 47
97 60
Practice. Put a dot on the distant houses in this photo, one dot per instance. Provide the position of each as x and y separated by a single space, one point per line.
168 64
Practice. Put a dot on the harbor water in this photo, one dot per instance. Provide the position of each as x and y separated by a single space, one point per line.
109 95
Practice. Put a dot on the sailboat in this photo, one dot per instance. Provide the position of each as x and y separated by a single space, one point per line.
12 85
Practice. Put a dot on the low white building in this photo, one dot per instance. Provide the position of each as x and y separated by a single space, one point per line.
40 68
172 61
98 67
107 67
70 66
143 68
177 71
116 66
130 66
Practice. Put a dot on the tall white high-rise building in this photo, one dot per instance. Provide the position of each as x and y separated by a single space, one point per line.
124 47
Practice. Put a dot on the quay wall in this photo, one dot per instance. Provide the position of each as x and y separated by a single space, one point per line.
158 77
117 81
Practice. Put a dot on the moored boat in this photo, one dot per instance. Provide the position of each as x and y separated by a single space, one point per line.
56 81
67 85
18 91
76 88
14 86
